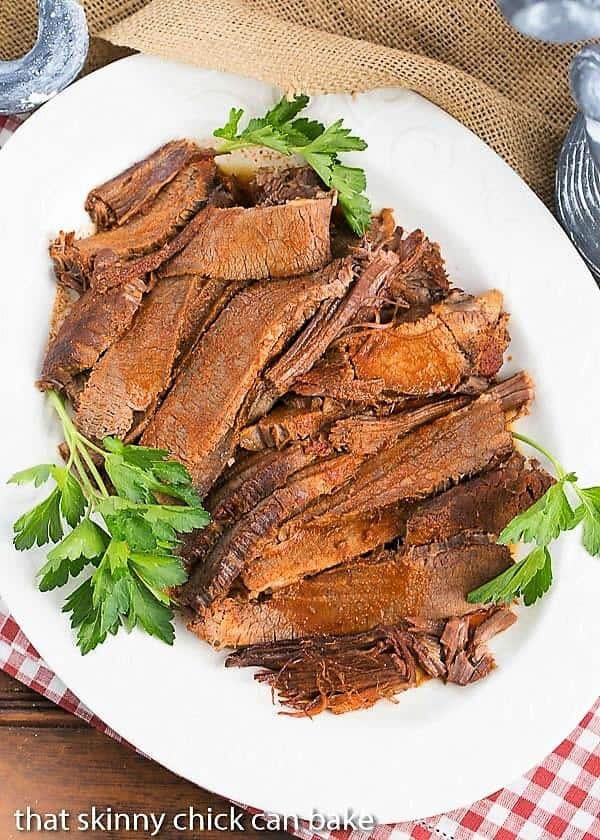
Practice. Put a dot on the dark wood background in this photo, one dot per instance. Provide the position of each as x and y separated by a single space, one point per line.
49 759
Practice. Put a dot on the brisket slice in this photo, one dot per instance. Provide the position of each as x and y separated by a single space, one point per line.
316 547
437 455
460 338
345 673
255 477
479 327
299 419
242 487
271 186
199 418
421 464
143 234
133 190
367 434
430 582
485 504
126 384
258 242
482 505
246 538
93 323
332 316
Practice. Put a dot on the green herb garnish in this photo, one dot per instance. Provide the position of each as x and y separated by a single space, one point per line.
283 131
562 507
128 537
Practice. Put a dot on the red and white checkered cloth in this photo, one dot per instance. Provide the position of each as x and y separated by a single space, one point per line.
560 798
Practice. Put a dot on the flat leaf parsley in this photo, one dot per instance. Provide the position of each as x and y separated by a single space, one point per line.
562 507
283 131
127 537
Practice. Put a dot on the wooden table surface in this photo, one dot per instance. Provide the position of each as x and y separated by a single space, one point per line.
50 760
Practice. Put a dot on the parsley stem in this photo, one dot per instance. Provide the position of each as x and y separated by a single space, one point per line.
227 146
82 474
530 442
78 448
89 445
94 471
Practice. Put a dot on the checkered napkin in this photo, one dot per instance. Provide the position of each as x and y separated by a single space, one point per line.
560 798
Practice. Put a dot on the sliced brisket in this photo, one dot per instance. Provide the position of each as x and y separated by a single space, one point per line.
316 547
258 242
367 434
460 338
421 276
171 209
245 540
435 456
431 582
125 386
93 323
484 504
332 316
480 506
133 190
301 419
242 487
199 418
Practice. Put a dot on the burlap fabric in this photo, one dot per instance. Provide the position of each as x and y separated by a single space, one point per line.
461 54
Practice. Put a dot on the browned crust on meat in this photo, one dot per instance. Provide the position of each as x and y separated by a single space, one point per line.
485 504
132 191
247 537
431 582
93 323
291 422
199 418
126 385
316 547
460 338
240 243
430 459
368 434
143 234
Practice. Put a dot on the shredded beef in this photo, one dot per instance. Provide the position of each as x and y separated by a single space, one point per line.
277 186
345 673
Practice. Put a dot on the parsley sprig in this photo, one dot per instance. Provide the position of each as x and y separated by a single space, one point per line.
563 507
283 131
127 537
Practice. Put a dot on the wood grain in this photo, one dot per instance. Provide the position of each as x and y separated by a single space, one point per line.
50 760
